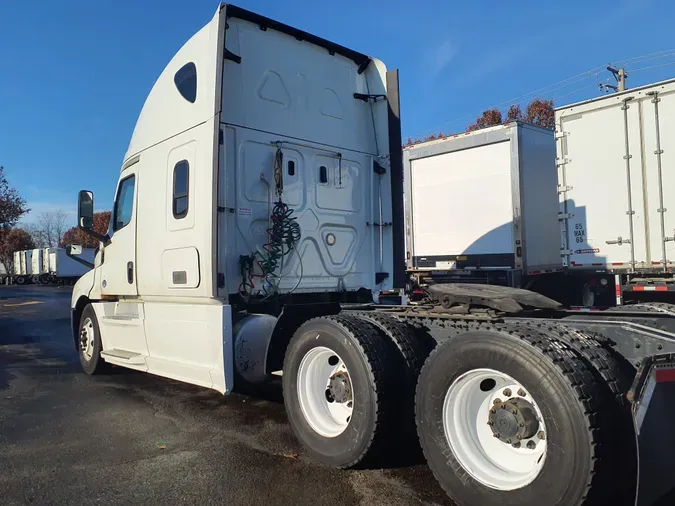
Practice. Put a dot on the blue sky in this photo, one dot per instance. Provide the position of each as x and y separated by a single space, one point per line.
74 73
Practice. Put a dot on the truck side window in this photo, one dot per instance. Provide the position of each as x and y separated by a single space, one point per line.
186 82
181 173
124 204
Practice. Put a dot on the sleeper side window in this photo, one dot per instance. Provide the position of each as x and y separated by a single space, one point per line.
181 177
186 82
124 204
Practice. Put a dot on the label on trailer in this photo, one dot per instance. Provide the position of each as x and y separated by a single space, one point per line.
245 211
588 251
446 265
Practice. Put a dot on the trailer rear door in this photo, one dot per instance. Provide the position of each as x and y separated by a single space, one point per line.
602 206
462 205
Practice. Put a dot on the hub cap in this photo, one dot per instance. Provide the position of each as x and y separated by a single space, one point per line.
87 339
495 429
325 391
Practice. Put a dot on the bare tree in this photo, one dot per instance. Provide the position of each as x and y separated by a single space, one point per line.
36 234
50 228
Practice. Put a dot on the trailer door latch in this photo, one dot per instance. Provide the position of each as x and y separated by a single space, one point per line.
378 169
375 224
619 241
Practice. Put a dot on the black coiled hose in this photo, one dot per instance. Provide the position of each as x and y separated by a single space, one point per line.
283 233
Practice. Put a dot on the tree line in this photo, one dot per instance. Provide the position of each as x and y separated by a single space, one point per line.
48 231
538 112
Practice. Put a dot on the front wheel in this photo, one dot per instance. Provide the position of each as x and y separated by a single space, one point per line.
508 419
89 343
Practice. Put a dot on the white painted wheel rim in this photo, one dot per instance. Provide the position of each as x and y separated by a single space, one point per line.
87 334
487 459
317 368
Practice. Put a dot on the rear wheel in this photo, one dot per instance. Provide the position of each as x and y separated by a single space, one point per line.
20 280
508 419
338 387
44 279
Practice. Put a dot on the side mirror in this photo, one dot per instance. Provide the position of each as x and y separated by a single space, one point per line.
85 210
73 249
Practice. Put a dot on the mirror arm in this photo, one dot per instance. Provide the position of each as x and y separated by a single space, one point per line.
104 238
79 260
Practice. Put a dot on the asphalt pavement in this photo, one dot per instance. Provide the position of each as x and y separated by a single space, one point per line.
134 438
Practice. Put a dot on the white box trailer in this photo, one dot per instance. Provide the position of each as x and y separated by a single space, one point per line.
616 174
27 262
260 207
482 205
63 268
17 263
37 265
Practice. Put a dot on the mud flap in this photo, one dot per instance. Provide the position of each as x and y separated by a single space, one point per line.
653 399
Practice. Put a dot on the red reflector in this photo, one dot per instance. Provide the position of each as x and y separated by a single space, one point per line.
618 290
614 263
661 288
638 288
417 291
665 375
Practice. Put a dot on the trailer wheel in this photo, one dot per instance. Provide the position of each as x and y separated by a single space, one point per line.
338 387
89 343
20 280
44 279
508 417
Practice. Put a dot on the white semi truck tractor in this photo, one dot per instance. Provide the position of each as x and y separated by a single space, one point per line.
259 208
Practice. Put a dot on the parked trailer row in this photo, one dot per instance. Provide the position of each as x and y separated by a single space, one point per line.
579 214
260 206
50 265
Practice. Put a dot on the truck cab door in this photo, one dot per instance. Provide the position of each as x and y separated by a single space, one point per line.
118 266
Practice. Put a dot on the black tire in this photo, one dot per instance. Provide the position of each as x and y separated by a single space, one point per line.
368 358
20 280
44 279
96 364
565 389
413 347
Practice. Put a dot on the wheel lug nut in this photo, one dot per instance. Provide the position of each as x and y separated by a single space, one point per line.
507 392
519 436
508 441
493 411
531 445
496 434
521 425
522 393
491 423
497 401
516 445
541 434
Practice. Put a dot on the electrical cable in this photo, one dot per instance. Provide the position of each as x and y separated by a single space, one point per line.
653 66
283 233
559 84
